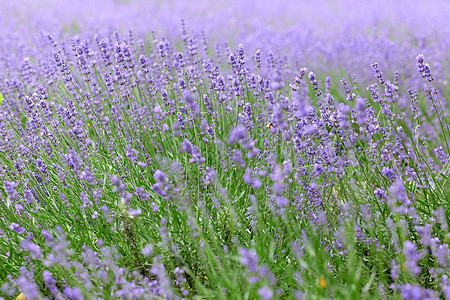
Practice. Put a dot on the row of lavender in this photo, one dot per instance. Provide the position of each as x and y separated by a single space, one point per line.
151 167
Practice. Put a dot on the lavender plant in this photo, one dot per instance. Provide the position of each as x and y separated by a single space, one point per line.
136 165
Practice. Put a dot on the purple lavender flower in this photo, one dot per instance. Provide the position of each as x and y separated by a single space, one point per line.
395 270
265 292
398 192
412 258
380 194
258 58
17 228
159 176
131 153
249 259
237 134
50 283
378 73
423 68
32 248
88 176
28 287
360 106
248 176
389 173
73 293
414 292
192 104
134 212
312 77
147 250
10 188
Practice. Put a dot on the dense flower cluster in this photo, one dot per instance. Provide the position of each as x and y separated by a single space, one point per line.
137 166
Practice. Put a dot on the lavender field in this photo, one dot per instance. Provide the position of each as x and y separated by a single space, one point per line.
224 149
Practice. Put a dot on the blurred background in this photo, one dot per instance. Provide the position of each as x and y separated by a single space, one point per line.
231 18
331 36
